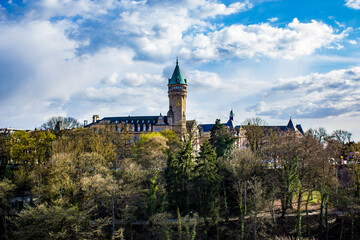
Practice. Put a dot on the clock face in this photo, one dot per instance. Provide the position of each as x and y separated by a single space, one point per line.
178 103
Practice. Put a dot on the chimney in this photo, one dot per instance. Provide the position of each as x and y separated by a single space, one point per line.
86 123
95 118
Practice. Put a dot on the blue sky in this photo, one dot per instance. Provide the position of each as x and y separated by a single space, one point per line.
274 59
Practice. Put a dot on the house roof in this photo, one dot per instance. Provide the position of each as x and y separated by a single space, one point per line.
205 127
232 125
133 120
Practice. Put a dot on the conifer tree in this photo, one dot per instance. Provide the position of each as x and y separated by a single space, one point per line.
207 180
221 139
178 175
172 180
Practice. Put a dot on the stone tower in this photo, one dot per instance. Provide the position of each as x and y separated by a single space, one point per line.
177 101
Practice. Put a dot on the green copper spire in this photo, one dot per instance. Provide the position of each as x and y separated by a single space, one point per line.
177 77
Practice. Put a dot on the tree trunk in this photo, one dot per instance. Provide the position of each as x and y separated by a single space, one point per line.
326 219
242 207
179 223
226 209
307 213
352 227
241 218
321 217
298 227
342 228
5 226
113 217
255 227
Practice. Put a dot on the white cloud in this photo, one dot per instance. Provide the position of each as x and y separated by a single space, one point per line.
316 95
263 40
140 79
274 19
212 9
112 79
205 80
353 42
83 57
353 4
46 9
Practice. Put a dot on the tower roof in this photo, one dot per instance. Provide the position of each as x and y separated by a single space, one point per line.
177 77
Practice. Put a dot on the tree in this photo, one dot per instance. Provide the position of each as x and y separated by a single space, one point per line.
173 142
123 142
221 139
254 132
60 123
150 150
6 190
207 181
155 200
55 222
101 141
319 134
342 136
4 150
285 149
31 148
243 166
178 175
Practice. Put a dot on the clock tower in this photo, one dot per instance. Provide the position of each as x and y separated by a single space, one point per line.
177 101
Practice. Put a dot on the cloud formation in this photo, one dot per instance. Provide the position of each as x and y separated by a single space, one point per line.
313 96
355 4
109 57
263 40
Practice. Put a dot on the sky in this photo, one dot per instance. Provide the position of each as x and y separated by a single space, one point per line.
273 59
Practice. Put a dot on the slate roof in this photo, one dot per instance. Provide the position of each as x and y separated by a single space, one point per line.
232 125
205 127
138 121
177 77
133 119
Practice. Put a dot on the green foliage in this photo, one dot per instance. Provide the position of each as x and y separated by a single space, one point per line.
30 148
6 190
5 144
150 150
178 176
155 198
221 139
96 183
173 140
207 181
55 222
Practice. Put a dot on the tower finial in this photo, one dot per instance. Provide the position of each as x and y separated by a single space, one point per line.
177 60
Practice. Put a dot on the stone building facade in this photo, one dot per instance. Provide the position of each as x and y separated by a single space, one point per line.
175 119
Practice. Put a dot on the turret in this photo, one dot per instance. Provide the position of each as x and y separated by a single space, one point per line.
177 92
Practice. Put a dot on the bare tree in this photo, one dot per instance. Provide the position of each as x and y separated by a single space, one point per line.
319 134
255 132
61 123
342 136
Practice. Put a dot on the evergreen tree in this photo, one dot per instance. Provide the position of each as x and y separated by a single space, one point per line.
155 201
221 139
178 175
207 180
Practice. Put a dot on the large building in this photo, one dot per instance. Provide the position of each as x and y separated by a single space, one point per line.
175 118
